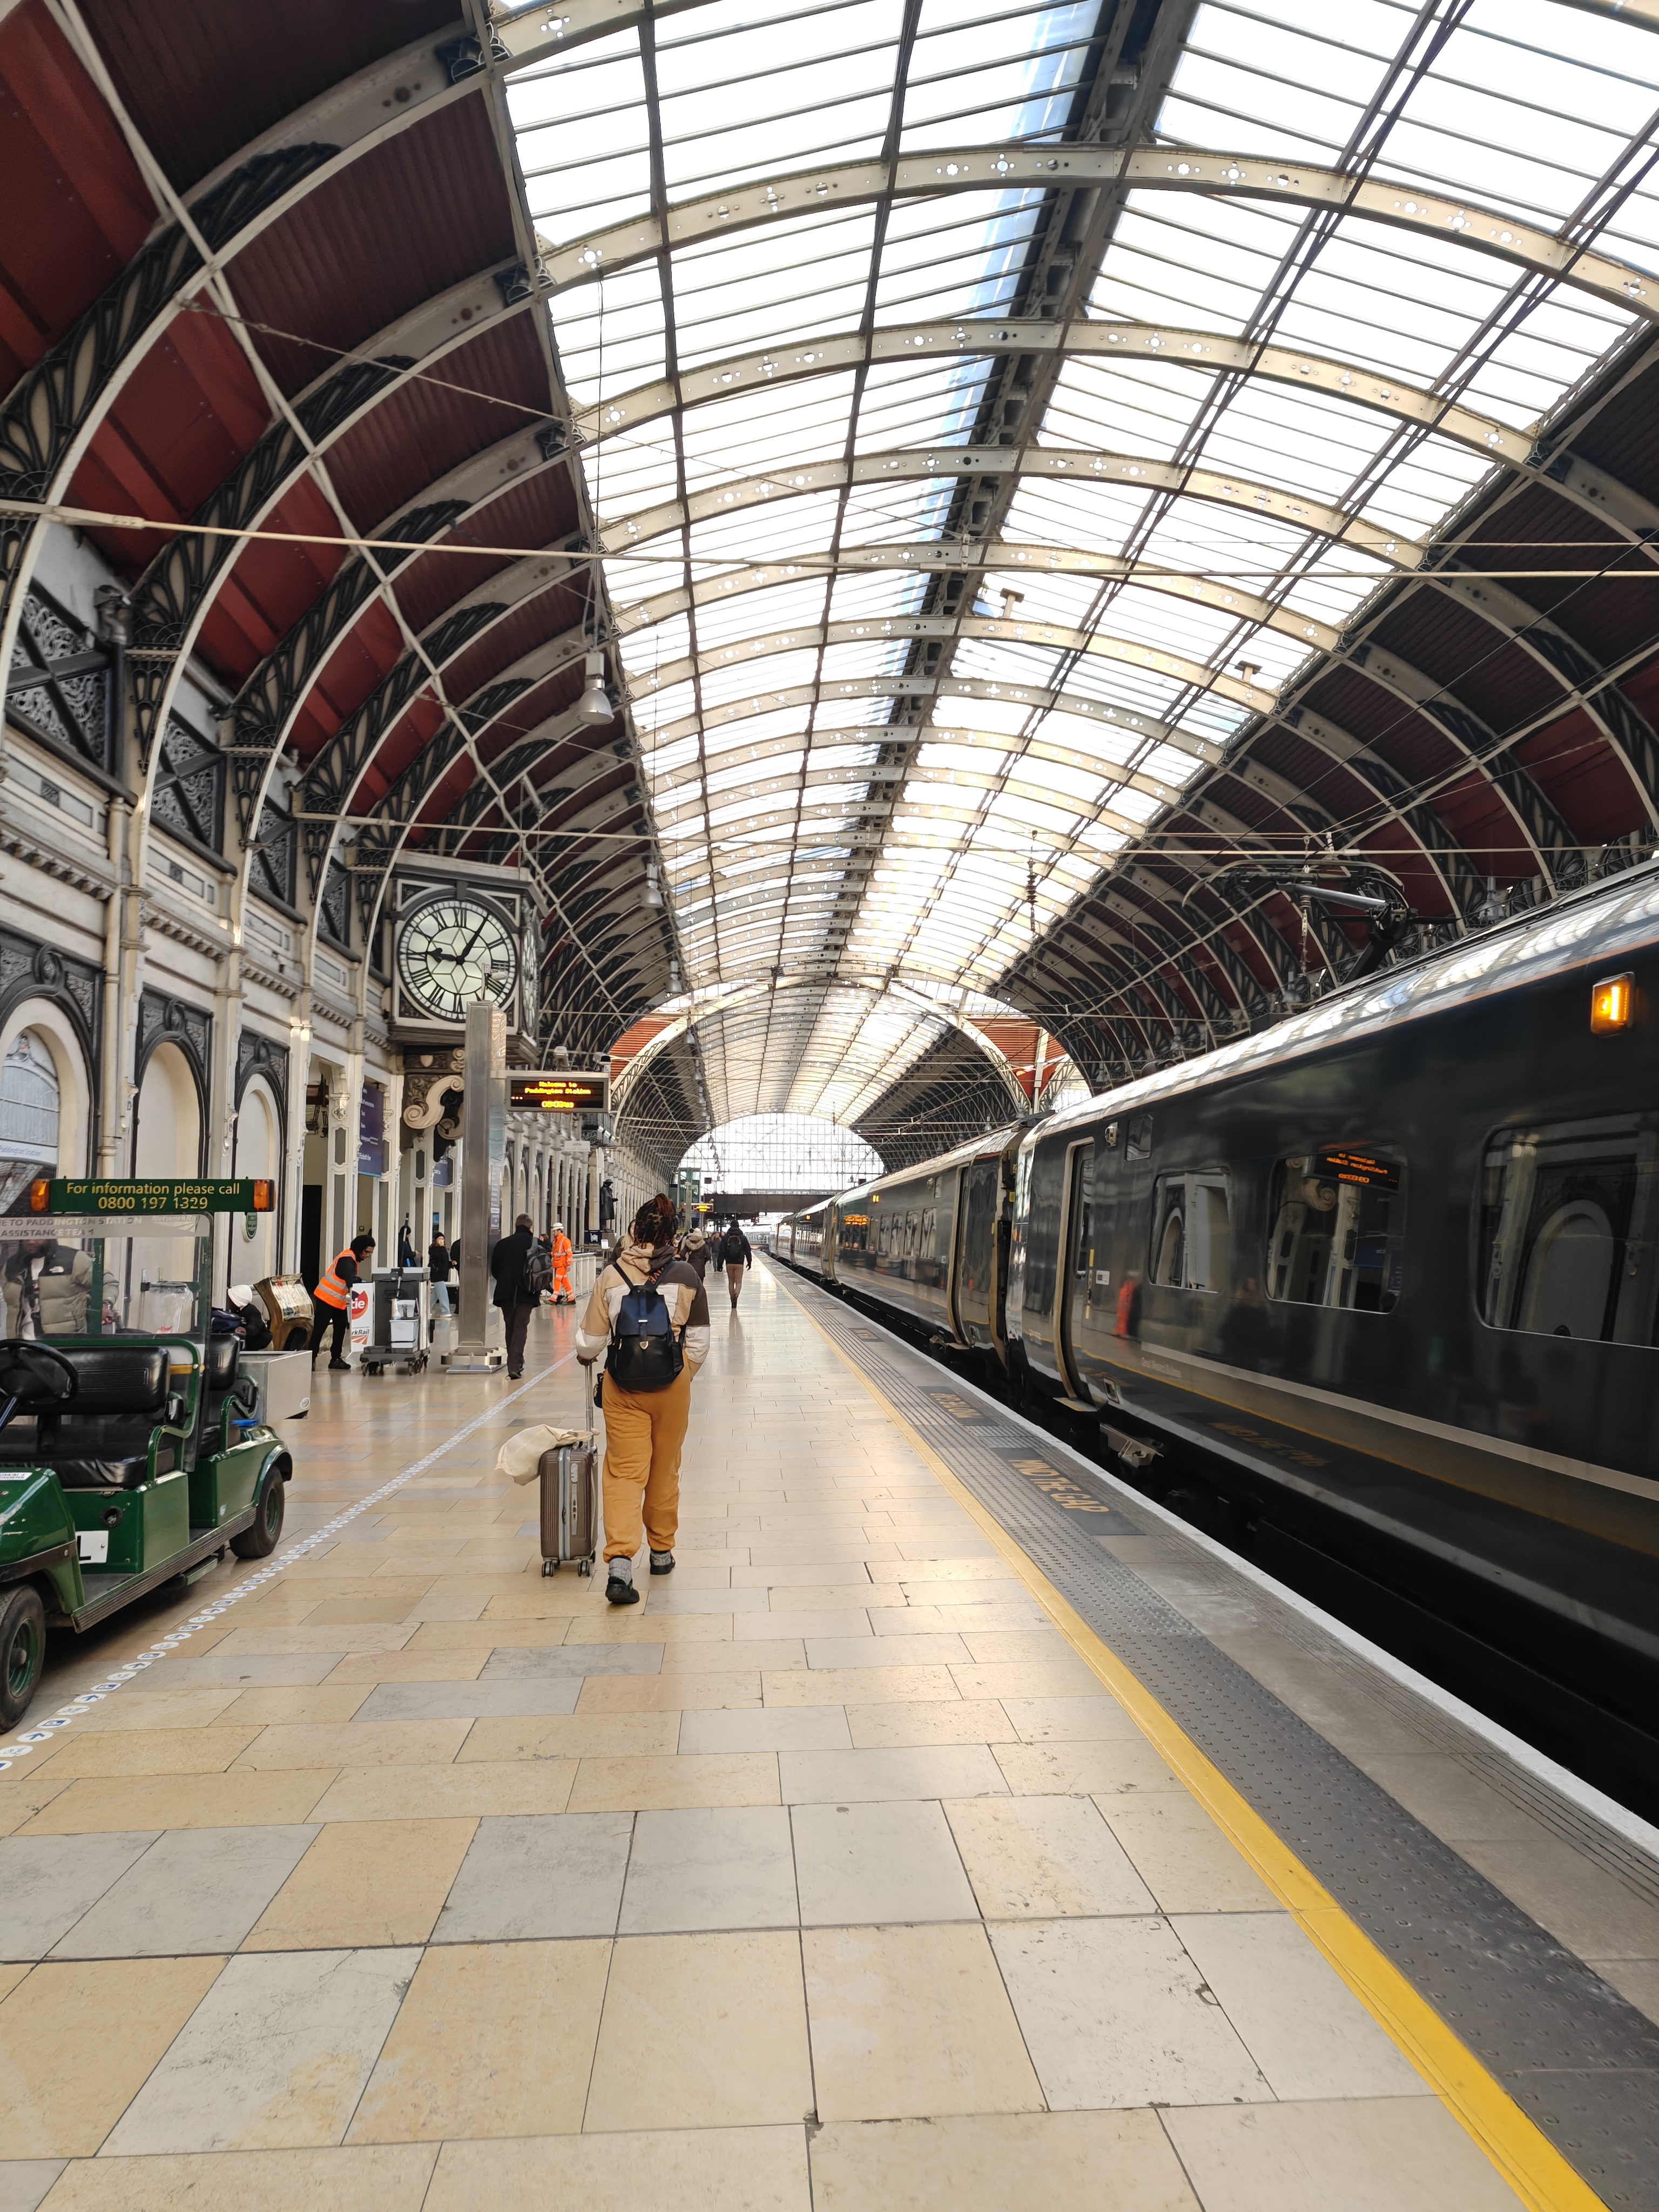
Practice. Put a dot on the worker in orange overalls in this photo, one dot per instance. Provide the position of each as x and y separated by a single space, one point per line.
563 1293
334 1290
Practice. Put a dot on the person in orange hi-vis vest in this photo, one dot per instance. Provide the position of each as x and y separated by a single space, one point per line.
563 1293
333 1292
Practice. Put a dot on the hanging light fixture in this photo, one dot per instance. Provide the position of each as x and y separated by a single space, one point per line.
594 705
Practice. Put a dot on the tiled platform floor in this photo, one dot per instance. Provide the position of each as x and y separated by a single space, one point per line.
829 1877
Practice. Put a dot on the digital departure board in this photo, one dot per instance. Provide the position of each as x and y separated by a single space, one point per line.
558 1091
1364 1168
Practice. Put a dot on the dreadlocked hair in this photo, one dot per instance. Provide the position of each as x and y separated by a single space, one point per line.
653 1224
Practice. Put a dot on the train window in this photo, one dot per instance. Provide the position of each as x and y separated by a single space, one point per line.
1191 1231
1567 1228
1083 1227
1337 1232
1140 1137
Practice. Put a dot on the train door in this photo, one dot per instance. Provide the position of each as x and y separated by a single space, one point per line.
1077 1284
972 1272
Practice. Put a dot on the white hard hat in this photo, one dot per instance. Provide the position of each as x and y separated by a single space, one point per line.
559 1225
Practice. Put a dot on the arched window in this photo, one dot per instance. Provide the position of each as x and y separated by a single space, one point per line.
30 1115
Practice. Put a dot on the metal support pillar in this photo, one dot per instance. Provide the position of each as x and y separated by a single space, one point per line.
483 1156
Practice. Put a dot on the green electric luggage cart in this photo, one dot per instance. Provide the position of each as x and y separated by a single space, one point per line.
133 1455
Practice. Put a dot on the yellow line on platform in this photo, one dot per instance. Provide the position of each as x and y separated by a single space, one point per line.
1521 2153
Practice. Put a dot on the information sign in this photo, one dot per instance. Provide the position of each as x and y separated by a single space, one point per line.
1362 1168
557 1090
128 1195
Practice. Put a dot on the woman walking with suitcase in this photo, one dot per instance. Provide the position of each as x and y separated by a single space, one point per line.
648 1318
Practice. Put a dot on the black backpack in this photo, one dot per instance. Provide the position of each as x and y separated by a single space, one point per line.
645 1352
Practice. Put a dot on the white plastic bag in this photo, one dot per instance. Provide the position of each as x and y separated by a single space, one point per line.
521 1456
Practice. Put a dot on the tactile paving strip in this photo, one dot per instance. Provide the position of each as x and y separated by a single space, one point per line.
1580 2060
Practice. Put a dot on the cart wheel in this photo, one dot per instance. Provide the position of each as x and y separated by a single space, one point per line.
585 1568
549 1566
22 1651
259 1541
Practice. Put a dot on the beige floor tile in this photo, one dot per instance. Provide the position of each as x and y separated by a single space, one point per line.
236 1800
342 1895
77 2040
11 1973
349 1611
640 1785
864 1686
1063 1678
277 1642
393 2179
655 1694
1398 2153
572 1736
1069 1720
734 1658
493 2039
155 1751
836 1597
1115 2012
425 1665
550 1597
806 1622
1039 1858
449 1606
702 2031
28 1789
692 2170
453 1792
158 1708
992 1570
1112 1767
1182 1856
642 1625
355 1743
1302 2026
1015 2161
879 1728
319 1705
912 2023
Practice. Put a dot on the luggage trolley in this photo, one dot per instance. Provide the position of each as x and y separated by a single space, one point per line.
399 1302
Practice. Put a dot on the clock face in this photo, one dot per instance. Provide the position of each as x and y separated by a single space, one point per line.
452 951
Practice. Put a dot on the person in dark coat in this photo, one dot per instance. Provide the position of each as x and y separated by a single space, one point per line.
510 1265
736 1254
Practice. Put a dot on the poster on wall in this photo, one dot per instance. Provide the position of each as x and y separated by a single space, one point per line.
371 1132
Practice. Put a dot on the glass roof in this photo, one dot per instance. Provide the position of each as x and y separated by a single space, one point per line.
781 1152
858 784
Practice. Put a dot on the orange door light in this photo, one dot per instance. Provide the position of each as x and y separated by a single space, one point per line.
1611 1001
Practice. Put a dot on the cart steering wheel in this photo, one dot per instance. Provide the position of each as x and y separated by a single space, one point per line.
34 1377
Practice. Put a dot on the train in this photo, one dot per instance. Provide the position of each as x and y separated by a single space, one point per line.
1381 1278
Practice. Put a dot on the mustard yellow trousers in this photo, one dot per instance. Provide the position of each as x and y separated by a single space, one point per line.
644 1430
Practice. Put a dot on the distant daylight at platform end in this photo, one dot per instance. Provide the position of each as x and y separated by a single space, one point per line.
829 1106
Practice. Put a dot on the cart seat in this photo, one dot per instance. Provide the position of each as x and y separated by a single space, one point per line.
219 1365
103 1435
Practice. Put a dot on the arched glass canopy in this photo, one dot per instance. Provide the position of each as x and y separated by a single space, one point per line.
988 415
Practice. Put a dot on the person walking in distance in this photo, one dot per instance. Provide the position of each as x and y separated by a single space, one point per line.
649 1318
333 1292
697 1253
563 1293
515 1292
737 1253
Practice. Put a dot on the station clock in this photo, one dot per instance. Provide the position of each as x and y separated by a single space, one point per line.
453 949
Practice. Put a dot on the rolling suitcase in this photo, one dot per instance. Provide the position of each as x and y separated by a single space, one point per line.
569 1476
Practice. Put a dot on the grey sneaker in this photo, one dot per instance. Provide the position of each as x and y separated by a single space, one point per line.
662 1563
619 1582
